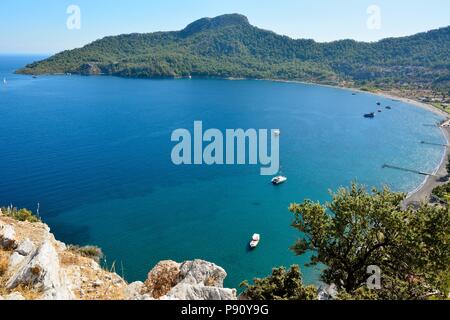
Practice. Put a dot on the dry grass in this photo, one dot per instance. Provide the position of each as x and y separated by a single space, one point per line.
36 232
68 258
4 262
211 281
79 263
27 291
77 266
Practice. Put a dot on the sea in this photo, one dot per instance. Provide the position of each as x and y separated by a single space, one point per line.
92 155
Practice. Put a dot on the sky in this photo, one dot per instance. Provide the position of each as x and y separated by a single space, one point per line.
40 26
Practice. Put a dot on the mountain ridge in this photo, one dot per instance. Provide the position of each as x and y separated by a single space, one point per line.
229 46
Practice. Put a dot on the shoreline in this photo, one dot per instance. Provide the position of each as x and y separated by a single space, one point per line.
424 191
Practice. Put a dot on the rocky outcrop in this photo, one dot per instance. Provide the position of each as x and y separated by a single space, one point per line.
40 267
185 291
89 69
41 270
162 278
7 236
199 272
190 280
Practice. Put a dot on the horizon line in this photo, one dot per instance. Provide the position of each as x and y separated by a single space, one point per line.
261 28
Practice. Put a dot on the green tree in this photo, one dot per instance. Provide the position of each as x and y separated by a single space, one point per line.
281 285
358 229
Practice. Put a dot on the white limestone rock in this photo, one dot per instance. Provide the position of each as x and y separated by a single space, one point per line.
26 247
15 260
7 236
42 270
200 280
15 296
134 291
200 272
199 292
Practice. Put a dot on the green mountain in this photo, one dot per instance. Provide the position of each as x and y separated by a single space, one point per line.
229 46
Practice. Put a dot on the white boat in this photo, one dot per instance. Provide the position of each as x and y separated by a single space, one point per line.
276 132
4 81
279 180
255 240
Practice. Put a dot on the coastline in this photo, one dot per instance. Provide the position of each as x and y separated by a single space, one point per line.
423 192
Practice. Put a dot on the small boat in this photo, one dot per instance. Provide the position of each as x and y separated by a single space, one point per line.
279 180
4 81
353 94
34 77
388 108
276 132
369 115
379 111
378 103
255 241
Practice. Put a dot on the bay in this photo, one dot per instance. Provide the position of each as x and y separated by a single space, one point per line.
94 152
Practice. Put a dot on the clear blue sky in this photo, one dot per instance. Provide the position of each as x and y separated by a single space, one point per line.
39 26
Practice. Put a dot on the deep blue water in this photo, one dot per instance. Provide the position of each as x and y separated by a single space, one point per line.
95 153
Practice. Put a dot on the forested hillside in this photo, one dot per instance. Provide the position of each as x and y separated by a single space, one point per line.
229 46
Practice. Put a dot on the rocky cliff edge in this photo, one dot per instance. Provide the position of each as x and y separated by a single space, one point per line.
36 266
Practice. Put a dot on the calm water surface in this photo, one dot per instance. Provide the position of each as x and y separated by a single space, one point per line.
95 153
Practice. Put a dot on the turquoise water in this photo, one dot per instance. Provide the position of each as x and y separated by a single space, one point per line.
95 153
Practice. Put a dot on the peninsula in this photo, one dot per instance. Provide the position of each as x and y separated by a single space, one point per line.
228 46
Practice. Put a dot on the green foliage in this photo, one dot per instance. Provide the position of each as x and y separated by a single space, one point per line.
228 46
443 191
448 165
281 285
359 229
92 252
20 214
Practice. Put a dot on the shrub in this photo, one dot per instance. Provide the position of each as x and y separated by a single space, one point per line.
281 285
92 252
20 214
